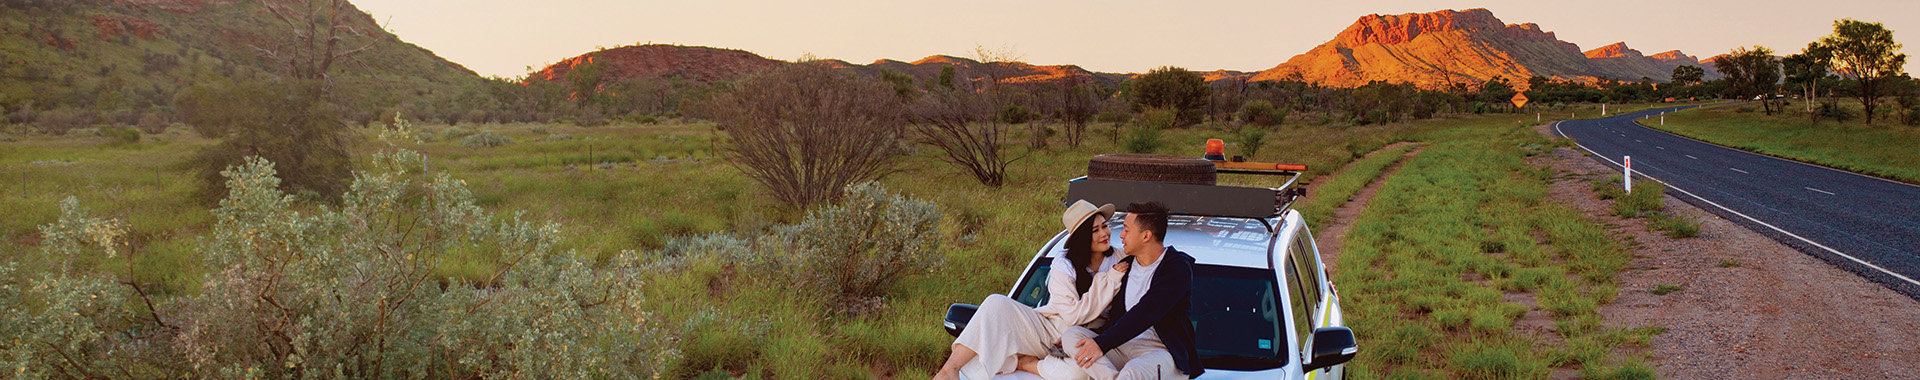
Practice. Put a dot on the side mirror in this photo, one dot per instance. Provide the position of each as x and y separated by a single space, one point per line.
957 316
1331 346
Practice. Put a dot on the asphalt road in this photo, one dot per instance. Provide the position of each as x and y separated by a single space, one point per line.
1866 225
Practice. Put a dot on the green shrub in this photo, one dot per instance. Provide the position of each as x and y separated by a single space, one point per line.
1664 289
1149 135
1015 114
298 292
485 139
859 248
1829 110
1675 226
1262 113
1250 139
457 133
1115 116
119 136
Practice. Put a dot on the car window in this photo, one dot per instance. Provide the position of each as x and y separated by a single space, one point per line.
1309 266
1302 315
1034 291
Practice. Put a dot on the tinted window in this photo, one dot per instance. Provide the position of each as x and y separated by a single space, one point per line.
1235 317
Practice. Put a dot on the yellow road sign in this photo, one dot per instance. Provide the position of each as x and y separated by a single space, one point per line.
1519 100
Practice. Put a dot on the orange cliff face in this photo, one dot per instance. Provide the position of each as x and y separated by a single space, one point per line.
702 64
1437 49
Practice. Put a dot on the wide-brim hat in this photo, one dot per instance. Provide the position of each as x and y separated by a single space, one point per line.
1081 210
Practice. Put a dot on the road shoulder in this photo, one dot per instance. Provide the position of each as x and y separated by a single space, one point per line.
1747 306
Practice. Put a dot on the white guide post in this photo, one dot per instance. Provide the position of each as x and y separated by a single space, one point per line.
1629 175
1603 109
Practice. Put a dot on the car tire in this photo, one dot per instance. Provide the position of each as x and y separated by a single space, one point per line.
1151 168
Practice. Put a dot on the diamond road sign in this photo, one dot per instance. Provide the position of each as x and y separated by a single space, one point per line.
1519 99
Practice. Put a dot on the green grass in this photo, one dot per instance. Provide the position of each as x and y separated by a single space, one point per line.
1885 149
1330 194
1664 289
1471 205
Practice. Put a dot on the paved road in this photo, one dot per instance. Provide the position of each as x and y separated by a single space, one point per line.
1867 225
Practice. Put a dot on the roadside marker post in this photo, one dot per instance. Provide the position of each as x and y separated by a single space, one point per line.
1603 109
1629 168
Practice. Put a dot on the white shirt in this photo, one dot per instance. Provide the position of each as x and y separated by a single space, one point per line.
1061 263
1139 279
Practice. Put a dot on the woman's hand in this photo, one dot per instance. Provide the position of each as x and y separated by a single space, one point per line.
1121 267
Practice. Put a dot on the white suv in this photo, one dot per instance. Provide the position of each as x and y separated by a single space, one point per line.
1262 305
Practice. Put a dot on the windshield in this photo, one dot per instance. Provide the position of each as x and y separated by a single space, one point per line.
1236 322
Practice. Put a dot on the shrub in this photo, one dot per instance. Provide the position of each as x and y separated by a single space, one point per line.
294 292
457 133
288 122
1149 134
1251 138
119 136
1172 88
1015 114
1676 226
58 122
1829 110
805 131
1262 113
1115 116
861 247
485 139
153 123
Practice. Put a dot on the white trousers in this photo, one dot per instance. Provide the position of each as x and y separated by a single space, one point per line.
1001 329
1136 359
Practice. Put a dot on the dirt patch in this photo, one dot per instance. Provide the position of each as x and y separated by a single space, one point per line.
1746 306
1333 235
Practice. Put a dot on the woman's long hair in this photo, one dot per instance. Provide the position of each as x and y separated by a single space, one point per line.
1080 253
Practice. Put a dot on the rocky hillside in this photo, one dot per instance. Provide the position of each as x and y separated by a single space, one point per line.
134 55
1445 47
707 64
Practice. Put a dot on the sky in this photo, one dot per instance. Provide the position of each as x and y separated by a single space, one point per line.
504 38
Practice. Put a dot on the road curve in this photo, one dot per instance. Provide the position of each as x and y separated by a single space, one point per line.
1867 225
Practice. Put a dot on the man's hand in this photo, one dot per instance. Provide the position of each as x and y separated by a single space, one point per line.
1088 354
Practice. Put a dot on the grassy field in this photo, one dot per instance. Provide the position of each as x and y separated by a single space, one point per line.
644 187
1461 246
1885 149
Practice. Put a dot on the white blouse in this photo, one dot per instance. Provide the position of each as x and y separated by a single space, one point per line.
1067 308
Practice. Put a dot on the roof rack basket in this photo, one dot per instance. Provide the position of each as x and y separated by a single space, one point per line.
1198 200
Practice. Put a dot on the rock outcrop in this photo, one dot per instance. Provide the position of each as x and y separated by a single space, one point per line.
696 63
1457 47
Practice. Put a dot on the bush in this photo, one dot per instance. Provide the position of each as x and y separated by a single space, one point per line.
1830 110
1172 88
805 131
1148 136
861 247
58 122
298 292
1251 138
457 133
153 123
1015 114
485 139
1675 226
119 136
1115 116
1262 113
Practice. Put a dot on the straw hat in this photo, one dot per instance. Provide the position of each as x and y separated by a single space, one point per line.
1081 210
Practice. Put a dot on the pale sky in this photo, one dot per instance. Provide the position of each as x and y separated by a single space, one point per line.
504 37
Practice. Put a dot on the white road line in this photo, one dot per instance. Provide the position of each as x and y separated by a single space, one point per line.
1692 157
1741 171
1817 190
1661 147
1910 280
1638 140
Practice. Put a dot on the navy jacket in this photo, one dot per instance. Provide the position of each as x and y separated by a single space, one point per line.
1164 308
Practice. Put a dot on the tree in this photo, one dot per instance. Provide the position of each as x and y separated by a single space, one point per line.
962 124
807 131
1805 70
280 121
1078 105
320 34
1185 92
1752 72
1685 74
586 79
1866 52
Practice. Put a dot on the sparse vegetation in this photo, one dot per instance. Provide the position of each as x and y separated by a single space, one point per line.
1664 289
1853 146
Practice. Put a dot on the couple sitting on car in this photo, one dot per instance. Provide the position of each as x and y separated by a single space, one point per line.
1143 310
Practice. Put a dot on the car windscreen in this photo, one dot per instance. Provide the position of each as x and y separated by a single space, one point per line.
1234 310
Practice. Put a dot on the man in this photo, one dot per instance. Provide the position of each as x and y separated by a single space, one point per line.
1151 336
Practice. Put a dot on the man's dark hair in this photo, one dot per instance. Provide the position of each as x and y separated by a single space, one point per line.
1151 215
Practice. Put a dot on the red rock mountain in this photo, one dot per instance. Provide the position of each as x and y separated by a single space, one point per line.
705 64
1440 48
697 63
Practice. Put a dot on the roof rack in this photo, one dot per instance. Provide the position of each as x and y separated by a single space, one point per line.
1200 200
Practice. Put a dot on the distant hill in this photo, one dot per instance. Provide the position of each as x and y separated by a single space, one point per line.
708 64
136 54
1439 48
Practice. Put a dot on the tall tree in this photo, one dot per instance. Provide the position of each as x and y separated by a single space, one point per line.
1686 74
807 131
320 33
1752 72
1864 51
1172 88
1805 70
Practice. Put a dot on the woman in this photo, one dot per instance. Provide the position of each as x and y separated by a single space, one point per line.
1006 336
